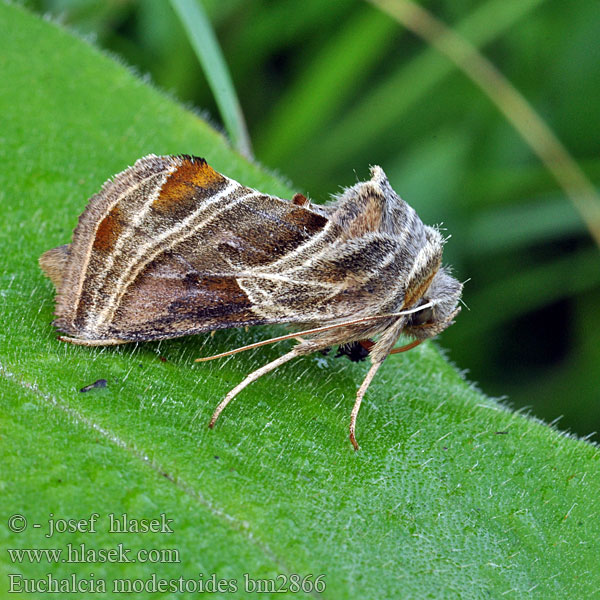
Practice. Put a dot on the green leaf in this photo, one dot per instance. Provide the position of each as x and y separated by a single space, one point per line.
452 495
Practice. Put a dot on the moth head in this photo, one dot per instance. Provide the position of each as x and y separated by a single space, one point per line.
440 303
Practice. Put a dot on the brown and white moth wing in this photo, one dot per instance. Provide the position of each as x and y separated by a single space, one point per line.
98 230
201 282
170 237
170 247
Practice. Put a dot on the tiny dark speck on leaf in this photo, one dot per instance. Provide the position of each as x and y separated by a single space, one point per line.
216 457
162 359
501 432
100 383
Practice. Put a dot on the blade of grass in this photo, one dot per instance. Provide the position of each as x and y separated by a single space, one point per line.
280 26
324 84
205 44
499 185
508 100
382 108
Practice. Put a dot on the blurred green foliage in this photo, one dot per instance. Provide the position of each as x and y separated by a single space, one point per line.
329 88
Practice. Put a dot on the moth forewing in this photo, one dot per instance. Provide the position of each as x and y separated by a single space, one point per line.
170 247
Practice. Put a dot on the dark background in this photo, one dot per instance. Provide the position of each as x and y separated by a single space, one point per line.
329 88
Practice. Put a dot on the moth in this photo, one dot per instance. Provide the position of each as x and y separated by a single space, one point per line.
170 247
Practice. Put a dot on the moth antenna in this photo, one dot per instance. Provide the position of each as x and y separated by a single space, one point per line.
289 336
281 338
249 379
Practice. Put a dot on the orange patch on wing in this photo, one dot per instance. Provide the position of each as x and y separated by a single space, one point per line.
182 184
108 231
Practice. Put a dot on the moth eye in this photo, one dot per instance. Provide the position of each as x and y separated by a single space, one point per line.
422 317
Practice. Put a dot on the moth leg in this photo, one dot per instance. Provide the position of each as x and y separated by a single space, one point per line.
368 345
410 346
359 396
296 351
